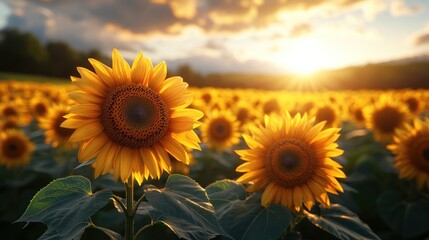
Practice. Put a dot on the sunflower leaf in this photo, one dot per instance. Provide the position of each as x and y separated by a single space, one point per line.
184 207
224 192
342 223
404 217
65 206
248 220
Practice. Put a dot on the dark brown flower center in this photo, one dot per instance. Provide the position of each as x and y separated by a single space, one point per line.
326 114
387 119
425 154
13 147
135 116
290 162
359 115
220 129
10 112
40 109
60 131
412 104
271 106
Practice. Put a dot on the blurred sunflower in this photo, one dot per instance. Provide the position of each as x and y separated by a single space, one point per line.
11 109
271 106
291 159
327 113
51 123
220 130
39 106
15 148
384 117
129 118
413 103
411 146
9 123
357 114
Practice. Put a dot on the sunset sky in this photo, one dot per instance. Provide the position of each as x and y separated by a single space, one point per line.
257 36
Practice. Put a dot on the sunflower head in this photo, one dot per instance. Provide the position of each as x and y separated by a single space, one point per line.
271 106
9 123
15 148
130 118
413 104
411 147
385 117
220 130
291 159
51 123
39 106
327 113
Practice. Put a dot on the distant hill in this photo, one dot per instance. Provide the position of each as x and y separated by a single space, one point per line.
394 74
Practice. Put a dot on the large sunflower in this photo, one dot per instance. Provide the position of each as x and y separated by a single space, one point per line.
51 123
411 146
15 148
129 118
291 159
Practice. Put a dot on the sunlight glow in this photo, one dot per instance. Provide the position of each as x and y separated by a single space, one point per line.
305 57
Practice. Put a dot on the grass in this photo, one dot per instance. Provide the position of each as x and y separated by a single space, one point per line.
20 77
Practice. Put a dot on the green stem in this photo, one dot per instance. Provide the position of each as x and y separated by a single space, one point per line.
129 223
136 206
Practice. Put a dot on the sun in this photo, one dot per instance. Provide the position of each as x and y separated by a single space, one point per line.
304 57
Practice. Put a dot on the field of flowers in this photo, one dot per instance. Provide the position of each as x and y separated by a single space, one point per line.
123 151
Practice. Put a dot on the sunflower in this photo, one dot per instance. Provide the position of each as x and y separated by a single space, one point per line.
9 123
15 148
11 109
385 117
51 123
271 106
411 146
291 159
220 130
327 113
129 118
39 106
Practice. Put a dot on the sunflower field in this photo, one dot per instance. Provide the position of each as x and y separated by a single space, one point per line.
124 152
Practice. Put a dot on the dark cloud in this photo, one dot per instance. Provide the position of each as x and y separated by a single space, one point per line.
145 16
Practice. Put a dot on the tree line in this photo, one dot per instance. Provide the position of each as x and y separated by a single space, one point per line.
22 52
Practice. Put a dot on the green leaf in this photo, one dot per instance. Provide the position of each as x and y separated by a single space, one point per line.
292 236
247 219
111 234
224 192
65 205
408 218
182 228
184 206
342 223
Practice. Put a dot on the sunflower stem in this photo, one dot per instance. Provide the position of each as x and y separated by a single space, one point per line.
136 206
129 223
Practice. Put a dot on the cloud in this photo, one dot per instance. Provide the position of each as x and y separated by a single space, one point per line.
224 64
300 30
161 16
399 8
421 38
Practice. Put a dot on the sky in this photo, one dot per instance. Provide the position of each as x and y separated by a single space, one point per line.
250 36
